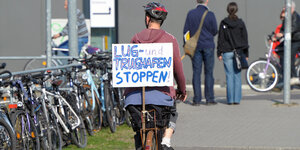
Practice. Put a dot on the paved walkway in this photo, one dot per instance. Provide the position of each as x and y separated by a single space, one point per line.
260 122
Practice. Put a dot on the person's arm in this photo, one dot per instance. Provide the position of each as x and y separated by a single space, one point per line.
186 29
62 33
221 38
178 69
245 36
213 23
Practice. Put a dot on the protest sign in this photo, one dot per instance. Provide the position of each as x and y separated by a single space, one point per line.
141 65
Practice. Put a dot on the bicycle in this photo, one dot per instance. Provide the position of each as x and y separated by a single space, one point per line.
22 121
41 63
264 73
7 133
103 65
103 94
156 120
90 110
69 121
48 130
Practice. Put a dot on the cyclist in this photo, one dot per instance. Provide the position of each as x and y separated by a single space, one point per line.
159 97
295 43
275 40
81 29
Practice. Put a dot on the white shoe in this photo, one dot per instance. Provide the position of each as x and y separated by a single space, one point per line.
294 81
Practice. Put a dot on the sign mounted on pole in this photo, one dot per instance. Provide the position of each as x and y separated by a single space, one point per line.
141 65
102 13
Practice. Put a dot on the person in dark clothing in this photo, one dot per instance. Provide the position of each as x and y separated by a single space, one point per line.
295 43
204 51
162 97
236 28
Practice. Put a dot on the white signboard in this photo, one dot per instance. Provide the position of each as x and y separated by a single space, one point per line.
141 65
102 13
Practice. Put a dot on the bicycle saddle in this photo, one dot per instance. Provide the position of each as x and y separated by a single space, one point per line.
56 82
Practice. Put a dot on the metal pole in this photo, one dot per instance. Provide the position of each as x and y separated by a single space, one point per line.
72 20
48 33
287 52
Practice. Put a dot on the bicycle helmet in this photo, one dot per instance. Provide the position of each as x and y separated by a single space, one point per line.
156 11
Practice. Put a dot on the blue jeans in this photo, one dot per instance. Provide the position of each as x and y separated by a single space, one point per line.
81 42
233 79
206 56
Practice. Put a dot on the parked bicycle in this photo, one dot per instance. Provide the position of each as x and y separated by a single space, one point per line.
7 133
103 93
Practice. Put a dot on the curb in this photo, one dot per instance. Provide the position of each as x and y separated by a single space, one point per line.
237 148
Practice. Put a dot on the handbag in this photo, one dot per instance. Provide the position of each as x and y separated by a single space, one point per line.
191 44
239 56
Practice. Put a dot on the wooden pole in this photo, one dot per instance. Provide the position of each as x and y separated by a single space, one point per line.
144 117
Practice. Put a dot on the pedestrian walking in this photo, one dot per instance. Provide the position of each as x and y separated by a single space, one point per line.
204 51
232 36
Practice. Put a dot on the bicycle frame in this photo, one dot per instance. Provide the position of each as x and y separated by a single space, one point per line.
61 100
94 88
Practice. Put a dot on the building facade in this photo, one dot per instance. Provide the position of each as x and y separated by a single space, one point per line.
23 28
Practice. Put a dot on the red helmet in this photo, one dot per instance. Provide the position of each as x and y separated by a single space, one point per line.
156 10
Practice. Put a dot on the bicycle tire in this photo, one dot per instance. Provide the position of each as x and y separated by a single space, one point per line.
109 107
79 135
119 107
56 137
38 63
150 141
86 111
260 81
96 117
128 118
29 140
8 138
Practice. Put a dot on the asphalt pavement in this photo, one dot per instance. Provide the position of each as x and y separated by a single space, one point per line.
261 122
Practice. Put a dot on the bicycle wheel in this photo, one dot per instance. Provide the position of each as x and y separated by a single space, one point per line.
119 106
26 133
128 118
109 107
8 138
79 136
92 116
150 141
38 63
260 79
56 137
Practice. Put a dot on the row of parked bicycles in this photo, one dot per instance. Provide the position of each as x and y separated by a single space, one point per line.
51 109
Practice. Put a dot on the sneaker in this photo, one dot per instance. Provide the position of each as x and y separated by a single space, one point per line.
196 104
294 81
211 103
165 147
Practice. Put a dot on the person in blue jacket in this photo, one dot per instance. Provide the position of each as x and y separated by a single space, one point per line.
204 51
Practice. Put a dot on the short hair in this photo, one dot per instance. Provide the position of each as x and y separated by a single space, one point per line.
201 1
154 20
